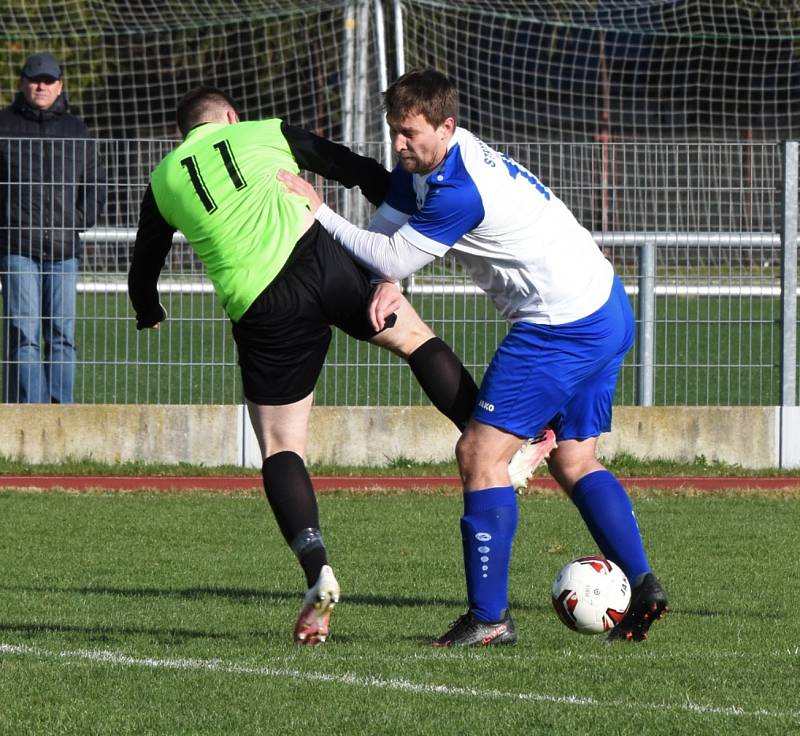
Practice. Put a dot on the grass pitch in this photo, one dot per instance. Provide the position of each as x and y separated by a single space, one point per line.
172 614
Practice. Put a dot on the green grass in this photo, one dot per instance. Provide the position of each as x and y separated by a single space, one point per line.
172 614
622 465
708 351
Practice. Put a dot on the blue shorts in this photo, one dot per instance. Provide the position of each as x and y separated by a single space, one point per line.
561 376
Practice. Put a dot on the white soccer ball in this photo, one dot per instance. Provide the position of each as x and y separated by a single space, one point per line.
591 595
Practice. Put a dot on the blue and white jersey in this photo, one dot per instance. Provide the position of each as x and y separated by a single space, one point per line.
515 238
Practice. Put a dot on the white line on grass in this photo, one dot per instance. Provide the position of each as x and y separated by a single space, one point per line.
419 688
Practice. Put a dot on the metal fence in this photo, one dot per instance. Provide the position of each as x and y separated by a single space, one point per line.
703 235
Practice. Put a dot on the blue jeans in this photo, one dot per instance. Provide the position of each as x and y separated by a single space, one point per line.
38 305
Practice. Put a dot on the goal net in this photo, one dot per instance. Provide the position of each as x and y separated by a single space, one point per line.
581 70
127 63
645 116
560 70
528 71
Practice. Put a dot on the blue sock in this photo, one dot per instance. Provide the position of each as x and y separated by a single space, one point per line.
487 531
607 511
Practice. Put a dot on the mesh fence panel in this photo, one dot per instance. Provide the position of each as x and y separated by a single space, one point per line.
652 119
712 210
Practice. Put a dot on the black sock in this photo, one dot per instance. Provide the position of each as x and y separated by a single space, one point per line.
294 504
445 380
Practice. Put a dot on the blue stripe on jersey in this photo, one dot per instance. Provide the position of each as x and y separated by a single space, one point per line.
401 191
453 204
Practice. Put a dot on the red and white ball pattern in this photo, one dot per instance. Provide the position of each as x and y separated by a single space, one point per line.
591 595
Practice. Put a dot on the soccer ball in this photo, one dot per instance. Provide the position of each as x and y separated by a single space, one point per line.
591 595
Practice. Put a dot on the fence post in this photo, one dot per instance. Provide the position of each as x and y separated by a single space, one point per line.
383 79
399 39
348 105
789 275
645 350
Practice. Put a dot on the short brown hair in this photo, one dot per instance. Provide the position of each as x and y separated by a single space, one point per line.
196 106
425 92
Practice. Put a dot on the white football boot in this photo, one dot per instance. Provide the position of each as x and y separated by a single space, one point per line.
313 623
532 453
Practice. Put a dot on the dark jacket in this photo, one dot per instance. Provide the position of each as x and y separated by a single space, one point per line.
52 185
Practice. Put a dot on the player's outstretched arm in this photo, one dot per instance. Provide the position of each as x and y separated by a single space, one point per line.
153 241
390 257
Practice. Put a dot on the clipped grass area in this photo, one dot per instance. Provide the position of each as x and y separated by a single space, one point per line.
623 465
162 614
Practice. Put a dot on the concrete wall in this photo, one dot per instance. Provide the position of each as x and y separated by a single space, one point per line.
753 437
109 433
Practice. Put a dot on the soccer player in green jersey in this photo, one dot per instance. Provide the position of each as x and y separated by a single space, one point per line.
283 281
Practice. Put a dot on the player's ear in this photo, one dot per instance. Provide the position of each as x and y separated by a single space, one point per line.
231 116
448 126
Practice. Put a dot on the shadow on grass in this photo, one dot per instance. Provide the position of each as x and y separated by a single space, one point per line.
256 595
108 634
240 595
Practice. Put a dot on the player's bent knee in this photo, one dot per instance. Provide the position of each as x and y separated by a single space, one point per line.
568 471
281 428
468 453
407 335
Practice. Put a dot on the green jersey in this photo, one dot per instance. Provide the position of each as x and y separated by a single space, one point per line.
219 188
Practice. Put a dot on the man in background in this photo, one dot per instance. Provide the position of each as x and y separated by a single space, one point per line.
52 187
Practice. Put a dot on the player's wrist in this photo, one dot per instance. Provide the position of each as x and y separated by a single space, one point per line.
151 318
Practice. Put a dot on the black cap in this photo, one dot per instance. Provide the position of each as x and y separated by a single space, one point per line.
41 65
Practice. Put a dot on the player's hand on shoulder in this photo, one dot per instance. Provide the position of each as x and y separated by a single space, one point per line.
297 185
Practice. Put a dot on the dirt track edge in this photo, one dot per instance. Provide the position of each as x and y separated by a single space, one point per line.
327 483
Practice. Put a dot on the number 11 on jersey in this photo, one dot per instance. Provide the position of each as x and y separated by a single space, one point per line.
228 159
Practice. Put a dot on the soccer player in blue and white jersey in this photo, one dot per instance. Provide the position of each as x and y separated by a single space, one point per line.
571 327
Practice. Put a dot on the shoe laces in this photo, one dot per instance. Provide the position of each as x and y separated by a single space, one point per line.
463 621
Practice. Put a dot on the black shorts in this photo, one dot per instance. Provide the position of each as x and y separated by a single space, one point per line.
282 339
